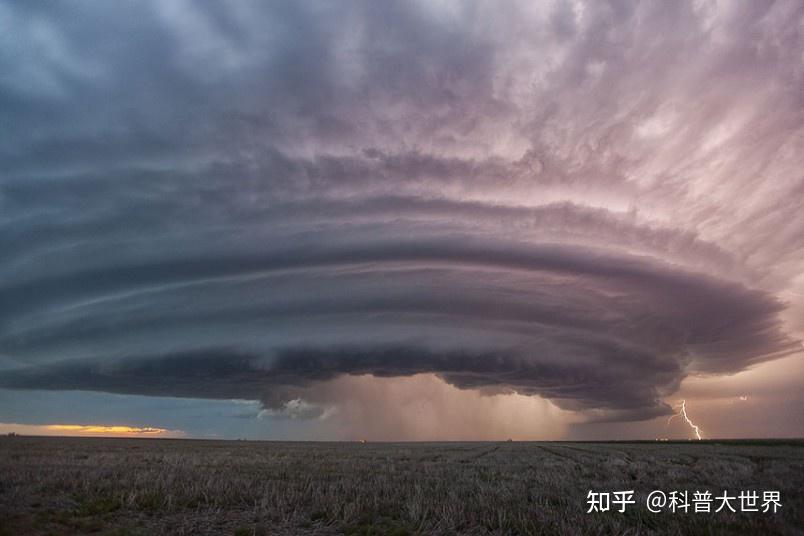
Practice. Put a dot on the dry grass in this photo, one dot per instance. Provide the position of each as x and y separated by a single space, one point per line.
140 486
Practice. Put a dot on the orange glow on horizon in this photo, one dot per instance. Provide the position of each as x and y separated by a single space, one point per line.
101 430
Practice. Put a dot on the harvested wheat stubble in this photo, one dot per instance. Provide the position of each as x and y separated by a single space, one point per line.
160 486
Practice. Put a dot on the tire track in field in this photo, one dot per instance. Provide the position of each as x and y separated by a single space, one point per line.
557 453
486 452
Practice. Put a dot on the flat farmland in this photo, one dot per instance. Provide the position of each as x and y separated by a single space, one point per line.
161 486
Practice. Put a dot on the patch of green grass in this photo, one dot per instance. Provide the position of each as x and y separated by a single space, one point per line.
97 507
382 526
318 515
5 528
68 518
151 501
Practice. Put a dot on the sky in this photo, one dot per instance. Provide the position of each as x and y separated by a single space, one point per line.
419 220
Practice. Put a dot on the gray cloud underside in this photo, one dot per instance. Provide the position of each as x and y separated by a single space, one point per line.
246 201
221 373
586 330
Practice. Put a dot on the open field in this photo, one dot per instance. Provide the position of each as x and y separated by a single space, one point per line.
159 486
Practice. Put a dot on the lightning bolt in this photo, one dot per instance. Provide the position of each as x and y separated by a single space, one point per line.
682 412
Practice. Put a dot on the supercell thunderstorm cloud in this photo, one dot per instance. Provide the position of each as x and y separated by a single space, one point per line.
584 202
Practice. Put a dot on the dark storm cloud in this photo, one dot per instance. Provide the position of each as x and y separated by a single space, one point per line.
609 323
220 373
251 200
588 262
